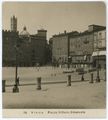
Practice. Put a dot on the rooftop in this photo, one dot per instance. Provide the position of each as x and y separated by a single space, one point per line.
91 28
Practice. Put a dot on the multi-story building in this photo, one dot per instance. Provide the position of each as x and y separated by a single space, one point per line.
60 47
33 47
99 54
79 47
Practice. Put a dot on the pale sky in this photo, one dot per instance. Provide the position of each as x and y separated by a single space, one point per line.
54 17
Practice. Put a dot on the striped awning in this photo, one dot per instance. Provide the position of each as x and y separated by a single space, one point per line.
100 53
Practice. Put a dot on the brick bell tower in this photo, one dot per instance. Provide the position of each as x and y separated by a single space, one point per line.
13 23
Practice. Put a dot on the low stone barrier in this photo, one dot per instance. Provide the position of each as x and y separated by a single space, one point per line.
91 81
69 80
39 83
3 85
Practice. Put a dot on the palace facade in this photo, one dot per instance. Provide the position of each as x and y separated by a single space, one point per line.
27 49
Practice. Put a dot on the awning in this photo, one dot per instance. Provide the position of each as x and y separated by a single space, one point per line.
100 53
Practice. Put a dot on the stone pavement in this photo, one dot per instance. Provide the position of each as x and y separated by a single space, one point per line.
77 96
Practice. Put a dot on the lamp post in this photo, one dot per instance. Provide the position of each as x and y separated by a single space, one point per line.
15 88
68 46
16 67
24 35
98 77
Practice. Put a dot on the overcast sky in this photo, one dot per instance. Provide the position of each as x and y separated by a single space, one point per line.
54 17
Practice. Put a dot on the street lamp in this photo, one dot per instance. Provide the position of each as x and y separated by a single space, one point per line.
98 77
15 88
24 36
68 52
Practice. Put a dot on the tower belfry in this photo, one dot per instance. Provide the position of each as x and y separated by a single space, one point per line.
13 24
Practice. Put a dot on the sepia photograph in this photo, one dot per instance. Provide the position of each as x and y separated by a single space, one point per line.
53 59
